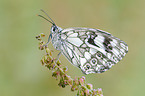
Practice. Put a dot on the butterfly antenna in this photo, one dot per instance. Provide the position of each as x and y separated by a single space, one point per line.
48 17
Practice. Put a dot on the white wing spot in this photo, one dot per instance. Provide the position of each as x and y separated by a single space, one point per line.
100 38
123 46
74 62
87 55
83 61
115 41
69 52
93 51
115 51
69 45
84 45
75 41
109 55
73 35
113 44
122 52
81 33
63 36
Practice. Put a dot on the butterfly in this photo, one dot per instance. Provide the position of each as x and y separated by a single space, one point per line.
91 50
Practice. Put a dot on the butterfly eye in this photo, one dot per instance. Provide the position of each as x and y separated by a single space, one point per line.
54 28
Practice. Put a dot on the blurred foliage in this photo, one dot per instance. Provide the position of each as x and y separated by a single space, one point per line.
20 70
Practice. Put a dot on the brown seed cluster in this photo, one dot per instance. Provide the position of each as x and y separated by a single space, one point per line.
60 73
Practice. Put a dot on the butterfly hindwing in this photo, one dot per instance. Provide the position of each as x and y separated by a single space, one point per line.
92 50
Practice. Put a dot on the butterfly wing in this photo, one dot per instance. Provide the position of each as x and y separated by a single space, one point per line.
92 50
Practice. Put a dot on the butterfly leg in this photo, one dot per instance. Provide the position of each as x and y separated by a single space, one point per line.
58 56
50 36
57 59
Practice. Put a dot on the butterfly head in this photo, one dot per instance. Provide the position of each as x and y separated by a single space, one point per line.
54 28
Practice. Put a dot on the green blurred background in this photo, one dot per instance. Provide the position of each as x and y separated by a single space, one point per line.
21 73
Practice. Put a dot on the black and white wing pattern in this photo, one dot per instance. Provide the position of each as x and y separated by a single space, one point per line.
92 50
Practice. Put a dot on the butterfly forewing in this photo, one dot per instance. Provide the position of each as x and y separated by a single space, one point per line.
92 50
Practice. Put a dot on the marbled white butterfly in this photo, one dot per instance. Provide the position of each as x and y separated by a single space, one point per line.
91 50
